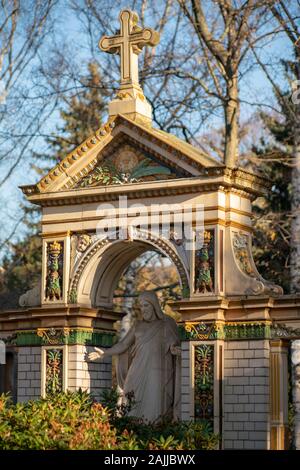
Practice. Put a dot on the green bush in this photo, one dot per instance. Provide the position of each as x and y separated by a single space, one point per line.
65 421
75 421
166 434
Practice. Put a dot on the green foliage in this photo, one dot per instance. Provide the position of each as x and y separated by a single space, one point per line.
64 421
82 115
291 425
21 269
108 174
272 222
145 169
163 435
75 421
272 230
275 154
109 400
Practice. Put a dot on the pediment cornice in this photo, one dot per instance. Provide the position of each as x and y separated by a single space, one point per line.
180 156
212 179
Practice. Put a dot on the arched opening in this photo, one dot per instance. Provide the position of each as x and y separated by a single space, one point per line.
97 276
150 271
113 271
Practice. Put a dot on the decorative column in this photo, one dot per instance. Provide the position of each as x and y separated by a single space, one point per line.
279 393
295 353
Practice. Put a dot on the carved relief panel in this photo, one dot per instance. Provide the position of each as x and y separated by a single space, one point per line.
204 264
55 269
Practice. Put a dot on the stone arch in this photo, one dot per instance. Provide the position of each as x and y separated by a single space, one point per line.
97 273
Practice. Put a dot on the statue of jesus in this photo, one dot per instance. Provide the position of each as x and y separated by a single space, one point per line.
153 375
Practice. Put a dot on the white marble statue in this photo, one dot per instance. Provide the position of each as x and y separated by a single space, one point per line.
123 360
153 373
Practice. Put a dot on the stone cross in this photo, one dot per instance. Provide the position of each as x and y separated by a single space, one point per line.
129 43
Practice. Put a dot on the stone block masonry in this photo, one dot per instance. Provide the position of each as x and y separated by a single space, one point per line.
246 395
94 377
29 373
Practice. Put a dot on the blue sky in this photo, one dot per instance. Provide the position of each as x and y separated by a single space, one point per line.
253 88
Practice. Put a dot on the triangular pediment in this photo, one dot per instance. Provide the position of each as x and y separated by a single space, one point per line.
125 162
123 152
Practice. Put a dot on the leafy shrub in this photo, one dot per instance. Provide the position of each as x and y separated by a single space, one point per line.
75 421
164 435
64 421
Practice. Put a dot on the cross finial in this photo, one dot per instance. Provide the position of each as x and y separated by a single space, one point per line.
128 44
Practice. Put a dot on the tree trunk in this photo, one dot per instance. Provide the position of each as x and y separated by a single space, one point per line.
295 226
231 111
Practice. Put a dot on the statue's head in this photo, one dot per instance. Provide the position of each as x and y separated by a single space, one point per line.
150 306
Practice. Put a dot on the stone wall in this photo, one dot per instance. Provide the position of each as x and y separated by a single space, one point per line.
185 381
246 395
91 376
29 373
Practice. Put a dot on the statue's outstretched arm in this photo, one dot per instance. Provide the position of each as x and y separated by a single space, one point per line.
98 354
122 345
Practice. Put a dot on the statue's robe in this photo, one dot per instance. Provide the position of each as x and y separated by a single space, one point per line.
153 373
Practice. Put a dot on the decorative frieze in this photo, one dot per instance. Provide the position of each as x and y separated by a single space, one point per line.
189 331
280 330
61 336
53 336
195 331
200 331
255 330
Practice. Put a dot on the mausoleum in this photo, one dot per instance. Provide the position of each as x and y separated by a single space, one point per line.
239 334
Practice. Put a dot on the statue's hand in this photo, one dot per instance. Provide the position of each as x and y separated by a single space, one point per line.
96 354
175 350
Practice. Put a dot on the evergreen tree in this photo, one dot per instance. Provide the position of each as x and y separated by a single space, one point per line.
83 115
21 268
273 212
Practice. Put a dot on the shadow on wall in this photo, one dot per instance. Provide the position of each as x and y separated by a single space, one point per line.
8 375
